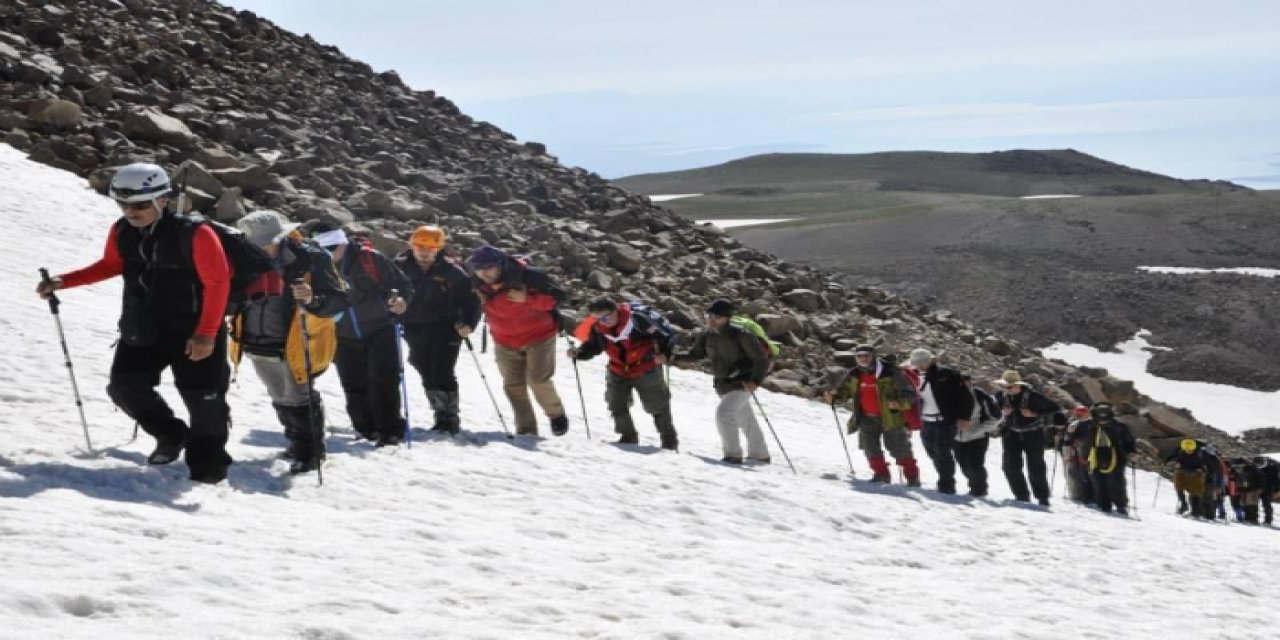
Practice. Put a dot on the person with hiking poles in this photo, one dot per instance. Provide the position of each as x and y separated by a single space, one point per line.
269 327
739 364
176 284
1023 436
368 358
880 397
521 307
442 313
638 342
1109 447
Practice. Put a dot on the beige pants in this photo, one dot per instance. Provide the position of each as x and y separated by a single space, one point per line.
529 368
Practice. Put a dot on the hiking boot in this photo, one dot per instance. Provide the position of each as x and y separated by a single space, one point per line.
389 440
978 493
290 453
951 491
166 452
764 460
628 438
444 428
731 460
560 425
303 466
209 476
671 442
880 478
1044 502
1183 508
913 482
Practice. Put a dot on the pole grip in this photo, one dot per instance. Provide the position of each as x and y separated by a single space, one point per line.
53 297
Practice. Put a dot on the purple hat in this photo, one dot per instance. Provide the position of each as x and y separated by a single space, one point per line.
486 257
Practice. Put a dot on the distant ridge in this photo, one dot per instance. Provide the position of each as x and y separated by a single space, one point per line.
1013 173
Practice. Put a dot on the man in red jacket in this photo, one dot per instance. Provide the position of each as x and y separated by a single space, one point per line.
638 342
174 300
520 307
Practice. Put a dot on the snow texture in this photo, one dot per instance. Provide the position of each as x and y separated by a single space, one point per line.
557 538
729 223
672 196
1244 271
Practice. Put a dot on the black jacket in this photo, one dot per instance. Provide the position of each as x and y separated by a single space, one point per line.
1038 404
955 402
1103 444
162 291
442 293
367 313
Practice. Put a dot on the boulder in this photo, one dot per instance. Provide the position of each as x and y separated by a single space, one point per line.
251 180
229 207
624 258
803 299
155 127
59 114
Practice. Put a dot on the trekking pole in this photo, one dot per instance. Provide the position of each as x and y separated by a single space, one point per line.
844 443
775 433
66 353
317 435
404 386
485 380
581 398
1053 479
1134 502
1156 497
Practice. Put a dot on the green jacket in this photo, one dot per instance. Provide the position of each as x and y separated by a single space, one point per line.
736 357
891 386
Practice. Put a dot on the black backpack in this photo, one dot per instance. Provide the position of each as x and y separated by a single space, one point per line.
247 260
647 320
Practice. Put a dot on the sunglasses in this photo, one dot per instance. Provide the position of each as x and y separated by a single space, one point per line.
136 206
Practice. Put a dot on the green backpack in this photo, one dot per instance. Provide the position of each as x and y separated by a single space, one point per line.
744 323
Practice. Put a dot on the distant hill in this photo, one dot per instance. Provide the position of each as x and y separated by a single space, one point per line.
1011 173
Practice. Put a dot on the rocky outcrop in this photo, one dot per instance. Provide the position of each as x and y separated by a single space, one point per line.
257 117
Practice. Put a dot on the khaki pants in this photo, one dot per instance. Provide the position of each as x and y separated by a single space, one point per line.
529 368
735 414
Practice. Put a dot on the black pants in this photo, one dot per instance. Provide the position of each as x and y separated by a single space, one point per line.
939 442
370 373
135 374
1109 489
433 351
1266 507
1029 445
971 457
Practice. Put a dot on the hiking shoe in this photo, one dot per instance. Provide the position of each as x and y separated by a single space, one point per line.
303 466
1183 508
389 440
560 425
671 443
628 438
765 460
209 476
913 482
978 493
951 491
1044 502
881 478
731 460
166 452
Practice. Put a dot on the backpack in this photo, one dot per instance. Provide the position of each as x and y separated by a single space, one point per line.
247 260
744 323
985 419
647 320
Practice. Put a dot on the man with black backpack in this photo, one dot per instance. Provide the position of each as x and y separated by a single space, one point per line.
974 439
176 285
443 312
521 306
368 357
1023 435
1109 446
639 342
287 326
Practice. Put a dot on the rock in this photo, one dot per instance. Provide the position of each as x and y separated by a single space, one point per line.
215 158
229 207
193 174
762 272
601 281
803 299
995 346
60 114
624 258
251 180
778 326
307 208
18 139
152 126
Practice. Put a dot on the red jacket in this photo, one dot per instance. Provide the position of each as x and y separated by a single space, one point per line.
631 353
516 325
211 267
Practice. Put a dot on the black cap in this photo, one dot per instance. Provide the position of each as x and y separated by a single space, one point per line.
864 348
722 308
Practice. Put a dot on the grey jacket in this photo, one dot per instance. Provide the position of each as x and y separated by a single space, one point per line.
736 357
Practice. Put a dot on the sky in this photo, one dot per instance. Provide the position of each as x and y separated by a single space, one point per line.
1184 88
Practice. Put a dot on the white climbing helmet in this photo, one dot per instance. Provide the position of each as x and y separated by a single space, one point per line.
139 182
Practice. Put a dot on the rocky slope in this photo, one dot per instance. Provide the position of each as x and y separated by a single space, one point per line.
256 117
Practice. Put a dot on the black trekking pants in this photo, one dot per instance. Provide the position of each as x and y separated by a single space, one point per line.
135 374
1110 489
1029 445
433 351
369 370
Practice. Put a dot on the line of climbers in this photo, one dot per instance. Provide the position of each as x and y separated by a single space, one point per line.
199 295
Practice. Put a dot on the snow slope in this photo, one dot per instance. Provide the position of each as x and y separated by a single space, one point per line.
556 538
